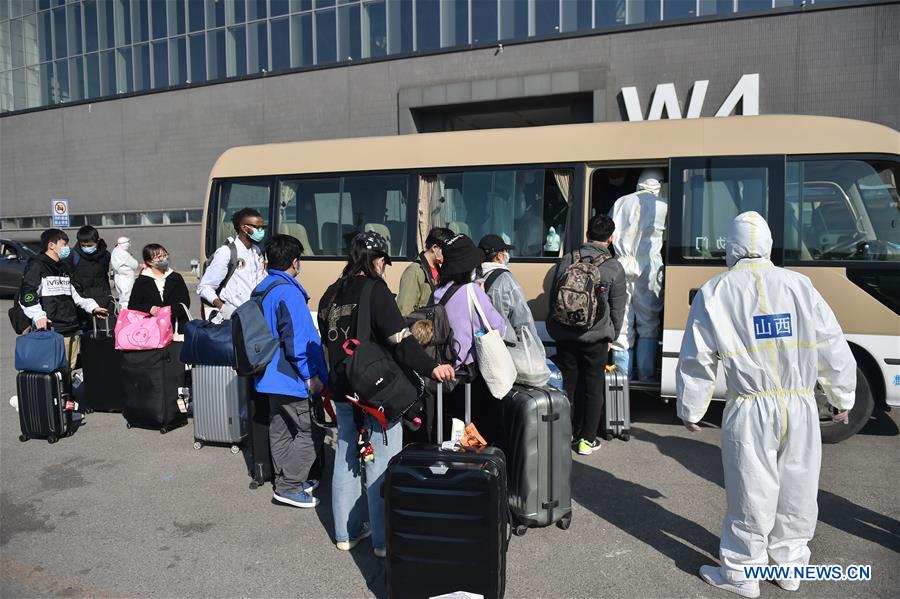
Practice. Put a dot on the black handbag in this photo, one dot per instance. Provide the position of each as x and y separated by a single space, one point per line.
380 385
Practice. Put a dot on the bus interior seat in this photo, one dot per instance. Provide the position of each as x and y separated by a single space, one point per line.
334 238
459 228
398 231
381 230
298 231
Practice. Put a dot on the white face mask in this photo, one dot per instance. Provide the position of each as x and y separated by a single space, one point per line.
125 246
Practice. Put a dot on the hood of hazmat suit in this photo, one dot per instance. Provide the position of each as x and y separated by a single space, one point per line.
776 337
640 219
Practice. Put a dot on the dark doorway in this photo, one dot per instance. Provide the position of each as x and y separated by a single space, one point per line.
519 112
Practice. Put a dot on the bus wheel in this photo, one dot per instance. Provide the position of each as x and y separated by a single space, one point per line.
835 432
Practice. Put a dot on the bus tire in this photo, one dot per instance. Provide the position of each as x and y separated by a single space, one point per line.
835 432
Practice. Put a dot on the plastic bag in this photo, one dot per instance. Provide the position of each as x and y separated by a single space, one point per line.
530 360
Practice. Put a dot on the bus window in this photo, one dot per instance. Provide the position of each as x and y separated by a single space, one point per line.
712 196
232 196
521 206
326 213
842 210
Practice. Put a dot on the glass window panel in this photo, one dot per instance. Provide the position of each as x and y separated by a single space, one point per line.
257 47
300 5
140 20
279 7
642 11
237 51
195 15
92 71
546 17
350 42
724 7
160 64
326 47
301 40
108 73
257 9
178 71
513 20
61 75
681 9
159 18
6 91
59 33
4 10
123 22
17 44
30 39
215 13
324 3
45 35
124 72
76 78
176 11
91 40
428 26
5 49
49 93
375 29
198 58
215 62
20 95
281 44
142 67
235 12
576 15
107 25
195 216
713 196
132 218
74 21
484 21
747 5
842 209
232 197
15 9
454 23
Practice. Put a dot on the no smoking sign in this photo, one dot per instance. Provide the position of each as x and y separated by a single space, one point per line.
59 211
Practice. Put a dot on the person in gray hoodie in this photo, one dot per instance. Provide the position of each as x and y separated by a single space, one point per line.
582 355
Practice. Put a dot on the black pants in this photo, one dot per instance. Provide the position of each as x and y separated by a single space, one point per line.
486 411
583 369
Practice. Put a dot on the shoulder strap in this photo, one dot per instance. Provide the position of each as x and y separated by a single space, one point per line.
76 258
449 293
232 265
364 312
262 294
493 276
427 270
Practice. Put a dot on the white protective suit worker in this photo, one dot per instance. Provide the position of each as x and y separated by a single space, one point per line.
124 267
776 337
640 219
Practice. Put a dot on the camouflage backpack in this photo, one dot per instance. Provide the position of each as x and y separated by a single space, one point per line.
580 299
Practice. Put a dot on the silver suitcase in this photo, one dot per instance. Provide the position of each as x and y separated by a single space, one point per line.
220 406
617 415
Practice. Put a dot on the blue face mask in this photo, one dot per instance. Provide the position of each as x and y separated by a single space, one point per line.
64 252
258 235
89 249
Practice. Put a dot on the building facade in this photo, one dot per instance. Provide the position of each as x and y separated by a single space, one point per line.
122 106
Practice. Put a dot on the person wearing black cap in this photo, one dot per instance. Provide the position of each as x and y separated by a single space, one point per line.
461 260
508 298
368 260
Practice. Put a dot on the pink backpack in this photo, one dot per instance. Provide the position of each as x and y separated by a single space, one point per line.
137 330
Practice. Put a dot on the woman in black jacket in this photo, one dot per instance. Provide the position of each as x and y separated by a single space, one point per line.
337 323
158 286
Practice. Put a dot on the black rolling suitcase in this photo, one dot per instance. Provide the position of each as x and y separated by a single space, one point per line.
617 413
151 379
101 366
537 444
261 470
447 520
42 405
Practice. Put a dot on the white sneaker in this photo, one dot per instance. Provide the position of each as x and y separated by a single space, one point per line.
14 402
348 545
713 575
789 585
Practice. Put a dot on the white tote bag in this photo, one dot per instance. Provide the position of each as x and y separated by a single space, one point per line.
494 360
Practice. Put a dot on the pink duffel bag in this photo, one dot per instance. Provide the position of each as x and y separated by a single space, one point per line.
137 330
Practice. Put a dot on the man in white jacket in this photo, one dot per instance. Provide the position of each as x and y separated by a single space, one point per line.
124 267
776 337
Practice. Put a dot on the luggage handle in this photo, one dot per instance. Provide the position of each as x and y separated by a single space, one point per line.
105 320
440 409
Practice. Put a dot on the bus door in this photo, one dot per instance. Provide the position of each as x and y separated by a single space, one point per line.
706 193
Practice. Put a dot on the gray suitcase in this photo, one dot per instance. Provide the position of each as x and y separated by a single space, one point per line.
220 406
537 443
617 415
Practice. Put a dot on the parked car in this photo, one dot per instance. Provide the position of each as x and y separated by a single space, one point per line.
14 255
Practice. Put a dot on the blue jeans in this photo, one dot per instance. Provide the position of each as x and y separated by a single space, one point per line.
645 358
622 360
347 503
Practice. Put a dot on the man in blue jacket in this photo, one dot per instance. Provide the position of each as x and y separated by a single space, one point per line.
296 373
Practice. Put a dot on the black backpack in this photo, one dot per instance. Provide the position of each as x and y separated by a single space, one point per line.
370 370
442 346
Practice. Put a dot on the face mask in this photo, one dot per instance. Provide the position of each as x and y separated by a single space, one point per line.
90 249
125 246
506 260
258 235
162 264
64 252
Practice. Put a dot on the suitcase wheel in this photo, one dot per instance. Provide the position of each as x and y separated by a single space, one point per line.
23 438
564 523
607 436
625 435
235 449
163 431
51 439
127 425
198 445
254 485
519 530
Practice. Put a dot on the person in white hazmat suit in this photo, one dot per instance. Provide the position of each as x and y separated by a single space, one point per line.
640 219
124 267
776 337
